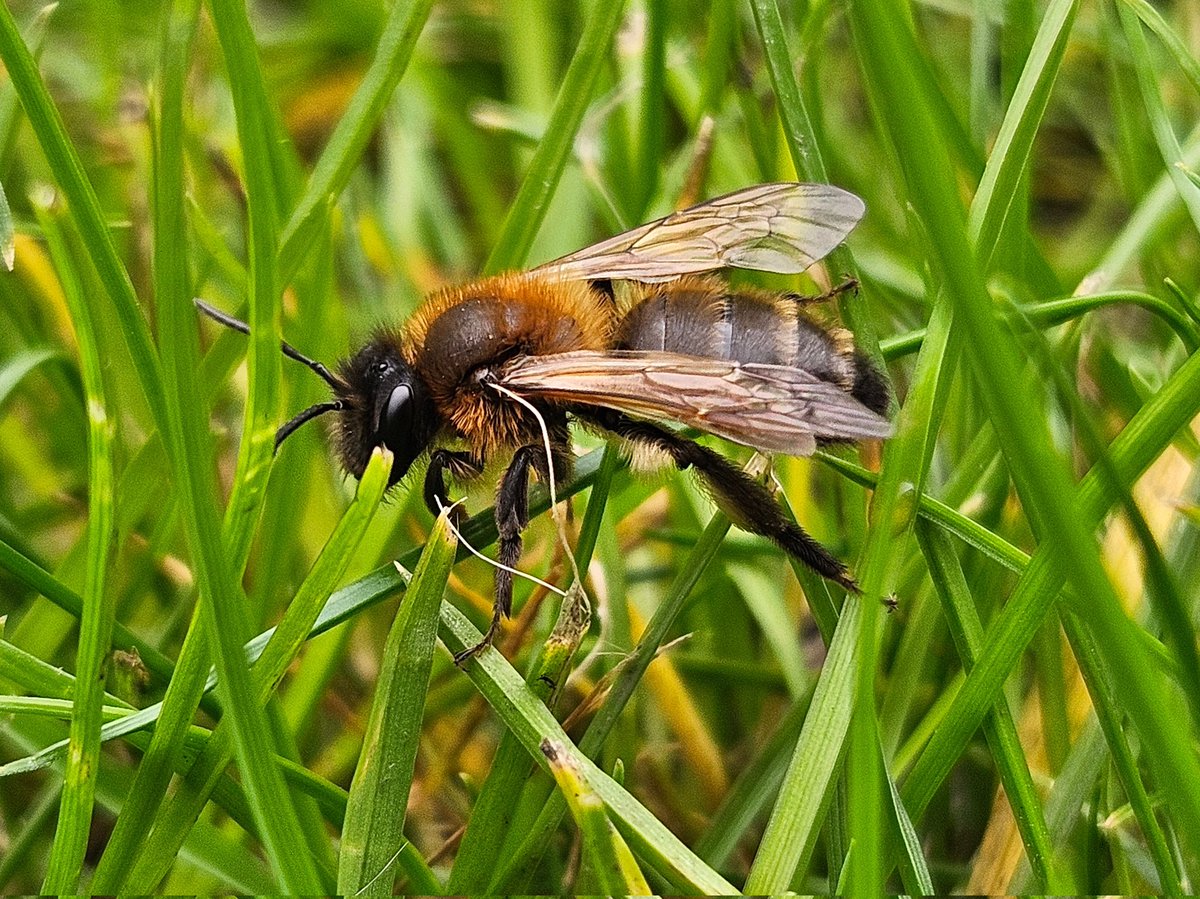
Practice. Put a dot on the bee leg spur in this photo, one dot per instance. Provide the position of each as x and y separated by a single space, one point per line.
435 480
747 502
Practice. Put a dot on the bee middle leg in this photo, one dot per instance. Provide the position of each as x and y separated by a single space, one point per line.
748 503
512 517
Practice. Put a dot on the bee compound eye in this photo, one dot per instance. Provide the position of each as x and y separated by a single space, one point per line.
397 422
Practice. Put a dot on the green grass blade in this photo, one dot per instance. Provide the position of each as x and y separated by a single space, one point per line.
263 360
999 727
525 715
51 133
611 862
528 209
99 596
492 814
406 20
374 829
171 278
1026 441
1142 440
520 867
286 639
1164 132
792 830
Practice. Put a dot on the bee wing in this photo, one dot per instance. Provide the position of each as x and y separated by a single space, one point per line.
769 407
770 228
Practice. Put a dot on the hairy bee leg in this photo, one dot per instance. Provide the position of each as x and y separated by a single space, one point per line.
512 516
435 481
747 502
848 286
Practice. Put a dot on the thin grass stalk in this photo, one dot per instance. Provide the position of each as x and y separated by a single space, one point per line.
405 22
505 690
89 218
99 598
999 727
1026 442
491 815
520 867
545 169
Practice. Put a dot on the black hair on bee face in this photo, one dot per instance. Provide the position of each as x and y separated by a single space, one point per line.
385 402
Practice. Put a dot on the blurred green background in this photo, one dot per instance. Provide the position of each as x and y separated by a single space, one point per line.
1028 270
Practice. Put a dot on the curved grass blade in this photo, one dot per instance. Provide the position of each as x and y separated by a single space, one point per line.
99 597
373 833
47 125
405 22
526 716
21 365
612 864
546 168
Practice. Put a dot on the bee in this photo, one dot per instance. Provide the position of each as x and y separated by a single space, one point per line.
505 364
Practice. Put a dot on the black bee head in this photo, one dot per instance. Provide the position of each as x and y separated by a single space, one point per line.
383 402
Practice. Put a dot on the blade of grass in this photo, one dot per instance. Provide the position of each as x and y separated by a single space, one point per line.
373 832
519 868
999 727
341 155
99 597
491 816
791 832
528 209
179 816
524 714
183 692
223 614
1064 309
1038 469
612 863
1164 132
47 125
1141 441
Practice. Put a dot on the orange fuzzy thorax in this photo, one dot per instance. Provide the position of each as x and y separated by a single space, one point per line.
458 332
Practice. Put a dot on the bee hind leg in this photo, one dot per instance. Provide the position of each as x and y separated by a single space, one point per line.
748 503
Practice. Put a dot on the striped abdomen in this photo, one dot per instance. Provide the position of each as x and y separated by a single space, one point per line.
704 317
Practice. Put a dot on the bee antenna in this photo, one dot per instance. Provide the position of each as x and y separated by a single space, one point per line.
288 350
307 415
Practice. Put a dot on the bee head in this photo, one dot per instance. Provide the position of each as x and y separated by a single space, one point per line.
383 402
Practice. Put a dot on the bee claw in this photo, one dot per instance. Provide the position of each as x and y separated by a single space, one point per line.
461 658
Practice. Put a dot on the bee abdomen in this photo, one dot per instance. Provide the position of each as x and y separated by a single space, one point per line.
703 317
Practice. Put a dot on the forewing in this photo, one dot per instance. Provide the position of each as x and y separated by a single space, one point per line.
770 228
769 407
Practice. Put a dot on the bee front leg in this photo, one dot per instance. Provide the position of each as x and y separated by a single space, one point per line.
459 463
